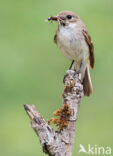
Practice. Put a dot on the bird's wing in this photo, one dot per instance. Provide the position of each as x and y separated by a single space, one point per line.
55 38
91 47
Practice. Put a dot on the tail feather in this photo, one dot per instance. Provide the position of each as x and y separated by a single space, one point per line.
87 85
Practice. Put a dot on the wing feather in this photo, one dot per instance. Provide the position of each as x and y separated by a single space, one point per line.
91 48
55 38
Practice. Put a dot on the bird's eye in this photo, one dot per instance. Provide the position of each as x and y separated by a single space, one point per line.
69 16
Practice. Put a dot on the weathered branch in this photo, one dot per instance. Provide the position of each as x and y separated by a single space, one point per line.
59 143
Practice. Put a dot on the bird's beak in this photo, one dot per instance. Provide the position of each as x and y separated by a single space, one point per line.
53 18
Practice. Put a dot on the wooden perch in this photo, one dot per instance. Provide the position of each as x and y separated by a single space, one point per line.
59 143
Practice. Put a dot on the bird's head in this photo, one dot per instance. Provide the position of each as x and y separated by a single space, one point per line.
64 18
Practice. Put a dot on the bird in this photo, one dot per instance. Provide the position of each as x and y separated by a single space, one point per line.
75 43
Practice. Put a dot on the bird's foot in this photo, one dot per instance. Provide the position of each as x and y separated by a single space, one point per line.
77 71
64 78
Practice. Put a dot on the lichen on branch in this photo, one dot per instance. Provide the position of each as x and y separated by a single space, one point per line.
63 115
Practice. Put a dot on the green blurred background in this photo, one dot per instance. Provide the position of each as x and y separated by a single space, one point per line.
32 69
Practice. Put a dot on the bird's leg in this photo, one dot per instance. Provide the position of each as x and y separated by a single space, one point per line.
81 63
64 78
71 65
78 71
69 69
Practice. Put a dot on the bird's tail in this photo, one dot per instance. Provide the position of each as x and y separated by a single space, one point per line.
87 85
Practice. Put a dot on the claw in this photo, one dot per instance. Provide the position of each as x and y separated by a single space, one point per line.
64 78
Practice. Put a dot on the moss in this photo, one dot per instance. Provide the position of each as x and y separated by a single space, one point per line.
63 115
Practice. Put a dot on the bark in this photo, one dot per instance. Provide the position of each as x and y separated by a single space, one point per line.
59 143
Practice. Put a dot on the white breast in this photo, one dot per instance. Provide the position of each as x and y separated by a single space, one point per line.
72 43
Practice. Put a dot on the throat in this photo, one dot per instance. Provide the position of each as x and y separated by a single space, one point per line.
66 33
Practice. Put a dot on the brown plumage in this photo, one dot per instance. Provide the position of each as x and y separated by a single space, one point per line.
87 85
91 48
